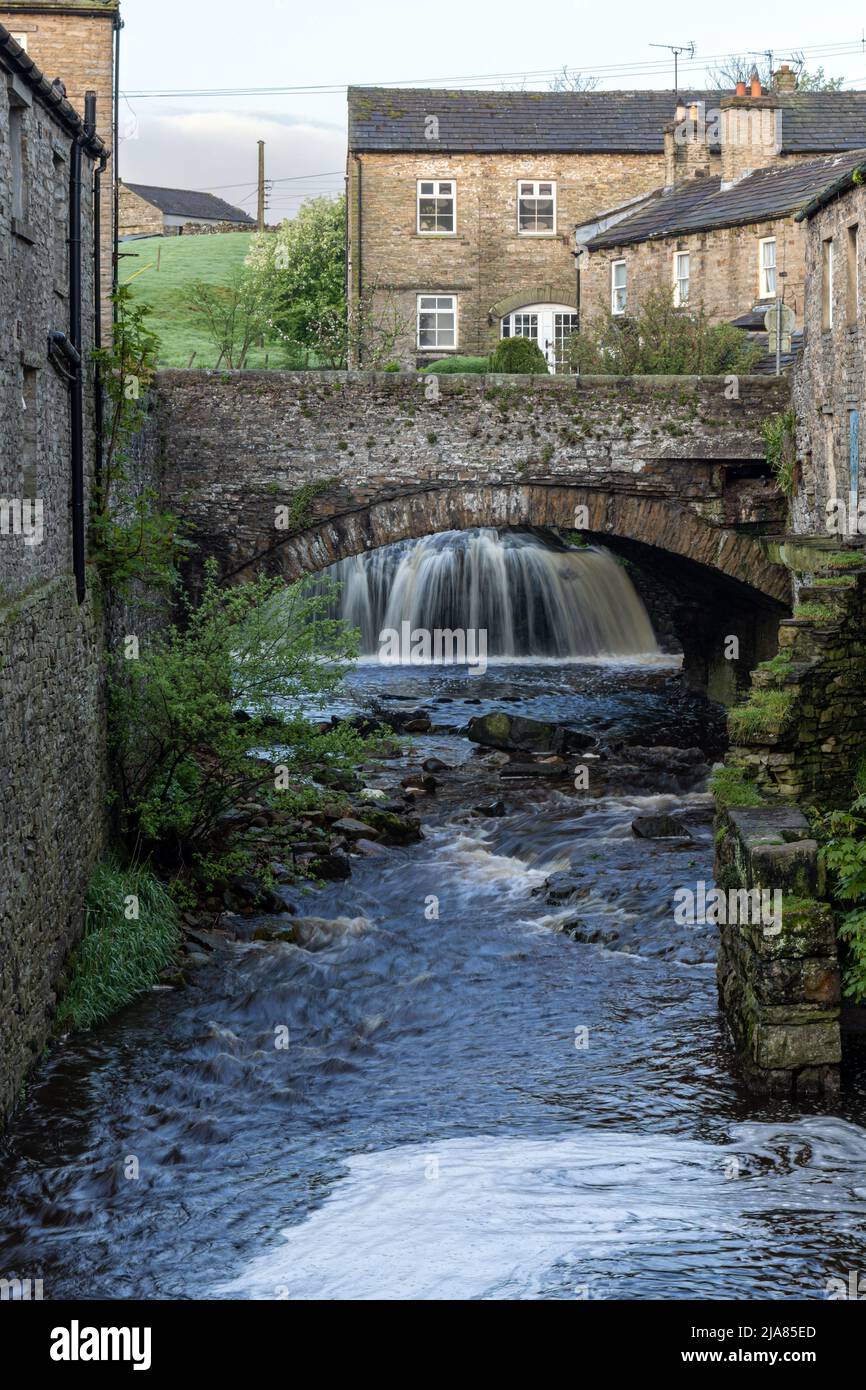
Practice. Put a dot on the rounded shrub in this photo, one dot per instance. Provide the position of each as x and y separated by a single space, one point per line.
518 355
458 364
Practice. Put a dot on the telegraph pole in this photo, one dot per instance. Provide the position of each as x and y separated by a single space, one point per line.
261 217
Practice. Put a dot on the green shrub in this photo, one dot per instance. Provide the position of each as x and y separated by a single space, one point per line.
764 712
843 834
458 364
780 440
131 934
518 355
660 339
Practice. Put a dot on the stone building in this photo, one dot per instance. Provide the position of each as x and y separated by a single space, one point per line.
830 384
76 42
52 780
729 248
462 205
149 211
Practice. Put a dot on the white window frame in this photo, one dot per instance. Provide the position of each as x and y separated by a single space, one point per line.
436 347
437 183
764 292
680 300
21 40
827 284
615 289
536 184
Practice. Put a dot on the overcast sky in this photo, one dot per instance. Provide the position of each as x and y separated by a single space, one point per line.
209 142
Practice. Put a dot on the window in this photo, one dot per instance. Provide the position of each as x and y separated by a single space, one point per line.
681 278
853 276
827 283
436 205
29 433
61 223
617 287
520 325
19 160
767 268
437 321
536 208
21 40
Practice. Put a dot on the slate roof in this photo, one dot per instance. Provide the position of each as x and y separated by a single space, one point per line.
702 203
183 202
624 122
832 190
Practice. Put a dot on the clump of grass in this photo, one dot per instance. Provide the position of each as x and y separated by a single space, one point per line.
843 559
813 612
731 787
779 666
765 712
131 934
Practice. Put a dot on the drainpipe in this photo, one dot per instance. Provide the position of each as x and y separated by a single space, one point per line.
115 172
98 403
359 255
76 386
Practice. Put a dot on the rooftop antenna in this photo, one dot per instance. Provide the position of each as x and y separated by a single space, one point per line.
676 49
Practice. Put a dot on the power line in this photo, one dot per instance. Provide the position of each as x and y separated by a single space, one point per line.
645 68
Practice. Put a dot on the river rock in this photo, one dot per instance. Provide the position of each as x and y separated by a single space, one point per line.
495 808
418 726
660 828
435 765
549 772
335 865
369 848
394 828
248 894
561 888
592 936
514 733
353 829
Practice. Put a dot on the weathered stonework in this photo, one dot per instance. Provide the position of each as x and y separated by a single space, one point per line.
779 980
666 461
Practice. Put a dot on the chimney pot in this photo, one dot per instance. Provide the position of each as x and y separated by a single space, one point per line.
741 89
756 85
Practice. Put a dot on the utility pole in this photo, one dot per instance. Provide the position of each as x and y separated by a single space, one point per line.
261 217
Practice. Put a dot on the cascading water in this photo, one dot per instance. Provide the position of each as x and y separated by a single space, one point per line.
533 596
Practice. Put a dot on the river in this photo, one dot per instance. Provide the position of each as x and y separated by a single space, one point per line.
471 1103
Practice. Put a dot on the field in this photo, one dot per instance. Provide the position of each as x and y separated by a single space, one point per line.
160 270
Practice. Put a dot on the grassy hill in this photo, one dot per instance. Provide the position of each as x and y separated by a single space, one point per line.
160 270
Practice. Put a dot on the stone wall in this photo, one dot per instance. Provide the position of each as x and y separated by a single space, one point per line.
137 217
52 724
76 44
723 270
668 461
485 263
778 975
53 784
830 382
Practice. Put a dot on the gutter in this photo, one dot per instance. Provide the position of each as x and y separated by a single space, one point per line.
76 384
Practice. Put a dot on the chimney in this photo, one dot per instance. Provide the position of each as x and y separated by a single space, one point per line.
784 80
687 141
751 130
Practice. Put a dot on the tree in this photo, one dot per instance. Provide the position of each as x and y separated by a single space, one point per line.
304 266
570 81
235 314
660 339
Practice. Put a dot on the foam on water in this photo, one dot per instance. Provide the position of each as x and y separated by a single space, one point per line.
493 1217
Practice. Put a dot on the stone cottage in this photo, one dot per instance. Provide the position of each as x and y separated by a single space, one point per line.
52 788
830 384
462 205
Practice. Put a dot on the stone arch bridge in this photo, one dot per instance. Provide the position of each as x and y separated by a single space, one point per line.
284 473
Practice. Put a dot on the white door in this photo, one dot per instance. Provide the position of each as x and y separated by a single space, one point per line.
548 325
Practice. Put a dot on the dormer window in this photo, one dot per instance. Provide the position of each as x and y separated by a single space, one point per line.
437 200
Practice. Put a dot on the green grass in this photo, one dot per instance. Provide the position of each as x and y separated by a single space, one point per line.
765 712
183 260
731 787
117 957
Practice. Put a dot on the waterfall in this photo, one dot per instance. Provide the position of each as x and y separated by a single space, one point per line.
534 596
